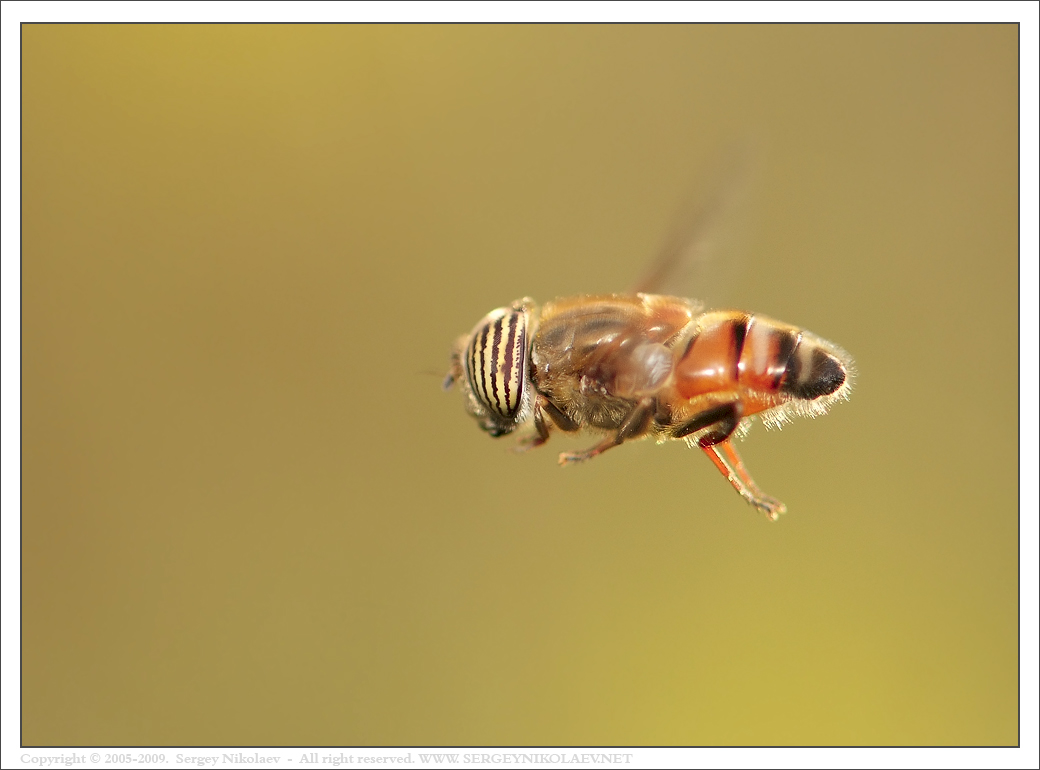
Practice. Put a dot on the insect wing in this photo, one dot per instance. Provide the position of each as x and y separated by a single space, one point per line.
699 256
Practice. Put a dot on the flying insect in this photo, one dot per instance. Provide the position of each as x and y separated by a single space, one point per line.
645 365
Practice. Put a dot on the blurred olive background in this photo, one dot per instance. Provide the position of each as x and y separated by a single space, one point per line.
251 516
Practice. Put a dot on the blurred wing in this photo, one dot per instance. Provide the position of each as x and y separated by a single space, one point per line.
700 255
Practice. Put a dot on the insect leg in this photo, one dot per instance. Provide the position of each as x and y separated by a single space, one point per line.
543 409
563 422
726 459
634 425
541 430
723 419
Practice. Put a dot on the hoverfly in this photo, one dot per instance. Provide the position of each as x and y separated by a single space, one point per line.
644 365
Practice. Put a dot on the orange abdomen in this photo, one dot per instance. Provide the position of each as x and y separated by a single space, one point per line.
761 361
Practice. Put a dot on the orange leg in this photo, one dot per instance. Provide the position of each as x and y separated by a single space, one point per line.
732 467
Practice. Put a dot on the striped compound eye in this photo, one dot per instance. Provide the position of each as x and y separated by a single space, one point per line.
496 366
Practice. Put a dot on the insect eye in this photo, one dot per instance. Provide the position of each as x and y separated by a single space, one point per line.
496 362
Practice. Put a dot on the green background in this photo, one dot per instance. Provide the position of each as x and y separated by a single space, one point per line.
251 516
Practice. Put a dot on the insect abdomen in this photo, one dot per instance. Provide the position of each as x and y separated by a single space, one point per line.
735 351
